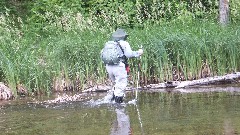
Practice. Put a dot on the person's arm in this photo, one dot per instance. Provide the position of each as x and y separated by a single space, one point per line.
128 50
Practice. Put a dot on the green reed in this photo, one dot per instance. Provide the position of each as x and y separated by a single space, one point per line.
71 52
188 47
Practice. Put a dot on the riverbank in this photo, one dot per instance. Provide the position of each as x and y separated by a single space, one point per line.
181 86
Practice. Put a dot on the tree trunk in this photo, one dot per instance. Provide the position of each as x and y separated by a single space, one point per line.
224 12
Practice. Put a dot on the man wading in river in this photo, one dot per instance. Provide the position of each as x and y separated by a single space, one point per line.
114 55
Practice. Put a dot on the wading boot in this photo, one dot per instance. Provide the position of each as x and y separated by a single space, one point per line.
113 97
118 99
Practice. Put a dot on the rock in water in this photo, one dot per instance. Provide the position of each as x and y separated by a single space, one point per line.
5 92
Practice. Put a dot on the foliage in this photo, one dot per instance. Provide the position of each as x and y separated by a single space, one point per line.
58 39
134 12
235 10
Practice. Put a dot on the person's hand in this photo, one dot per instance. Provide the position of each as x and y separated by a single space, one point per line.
140 51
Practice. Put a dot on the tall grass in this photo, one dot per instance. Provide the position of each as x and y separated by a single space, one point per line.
67 55
189 47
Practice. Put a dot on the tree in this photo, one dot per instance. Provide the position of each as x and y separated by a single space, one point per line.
224 12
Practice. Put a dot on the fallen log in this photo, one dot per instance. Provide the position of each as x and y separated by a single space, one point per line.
229 78
168 84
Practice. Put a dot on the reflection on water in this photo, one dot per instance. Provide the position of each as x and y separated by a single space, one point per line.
121 126
155 113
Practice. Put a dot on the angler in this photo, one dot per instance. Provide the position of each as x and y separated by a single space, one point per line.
114 55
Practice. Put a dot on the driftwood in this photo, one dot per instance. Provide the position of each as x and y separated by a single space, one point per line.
229 78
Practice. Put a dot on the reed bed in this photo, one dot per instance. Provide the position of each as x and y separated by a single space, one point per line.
180 51
67 57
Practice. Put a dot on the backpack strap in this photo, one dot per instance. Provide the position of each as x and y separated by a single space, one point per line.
120 47
125 59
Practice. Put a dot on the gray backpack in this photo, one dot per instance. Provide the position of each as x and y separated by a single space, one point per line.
111 53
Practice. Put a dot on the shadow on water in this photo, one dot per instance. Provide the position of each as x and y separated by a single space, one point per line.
206 110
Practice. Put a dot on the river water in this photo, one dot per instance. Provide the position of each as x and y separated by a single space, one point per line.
195 111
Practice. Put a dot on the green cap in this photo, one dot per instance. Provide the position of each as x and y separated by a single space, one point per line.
119 34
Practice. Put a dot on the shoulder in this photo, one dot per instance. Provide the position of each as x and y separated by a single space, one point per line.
124 43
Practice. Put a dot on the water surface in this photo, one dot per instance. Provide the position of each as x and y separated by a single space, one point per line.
212 110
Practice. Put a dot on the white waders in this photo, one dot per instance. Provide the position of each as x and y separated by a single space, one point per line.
118 75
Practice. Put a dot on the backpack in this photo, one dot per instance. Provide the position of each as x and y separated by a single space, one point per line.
112 53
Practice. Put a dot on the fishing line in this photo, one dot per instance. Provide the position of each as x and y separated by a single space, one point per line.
136 91
140 120
136 96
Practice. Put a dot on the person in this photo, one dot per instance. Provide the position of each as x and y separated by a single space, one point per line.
118 71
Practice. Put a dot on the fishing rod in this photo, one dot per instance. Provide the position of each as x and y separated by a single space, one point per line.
138 76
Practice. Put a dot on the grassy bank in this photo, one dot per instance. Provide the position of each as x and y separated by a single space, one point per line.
68 59
185 51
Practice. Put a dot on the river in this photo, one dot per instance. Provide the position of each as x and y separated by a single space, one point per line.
195 111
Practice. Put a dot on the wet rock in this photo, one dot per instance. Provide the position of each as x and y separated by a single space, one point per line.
5 92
